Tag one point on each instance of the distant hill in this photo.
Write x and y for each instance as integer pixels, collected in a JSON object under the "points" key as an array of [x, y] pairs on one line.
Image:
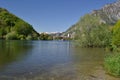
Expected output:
{"points": [[109, 14], [12, 27]]}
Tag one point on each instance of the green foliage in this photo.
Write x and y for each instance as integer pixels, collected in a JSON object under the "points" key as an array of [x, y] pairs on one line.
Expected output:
{"points": [[9, 24], [21, 37], [11, 51], [23, 28], [116, 34], [92, 32], [29, 37], [2, 32], [112, 64], [44, 36], [11, 36]]}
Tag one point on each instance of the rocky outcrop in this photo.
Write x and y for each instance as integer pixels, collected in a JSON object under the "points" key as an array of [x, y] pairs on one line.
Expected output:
{"points": [[110, 13]]}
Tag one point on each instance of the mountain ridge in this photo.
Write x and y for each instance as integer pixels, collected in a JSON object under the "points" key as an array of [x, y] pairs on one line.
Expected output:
{"points": [[108, 14], [111, 12]]}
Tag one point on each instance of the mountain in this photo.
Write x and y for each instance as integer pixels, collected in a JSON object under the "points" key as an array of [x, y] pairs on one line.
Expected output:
{"points": [[109, 14], [13, 27]]}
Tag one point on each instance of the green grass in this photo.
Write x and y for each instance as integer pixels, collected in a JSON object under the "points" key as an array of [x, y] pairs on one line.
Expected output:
{"points": [[112, 64]]}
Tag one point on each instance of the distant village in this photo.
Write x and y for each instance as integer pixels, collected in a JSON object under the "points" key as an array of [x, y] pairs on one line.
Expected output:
{"points": [[57, 35]]}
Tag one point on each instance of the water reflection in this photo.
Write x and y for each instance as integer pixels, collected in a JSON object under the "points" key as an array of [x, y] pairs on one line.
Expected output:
{"points": [[11, 51], [49, 60], [45, 59]]}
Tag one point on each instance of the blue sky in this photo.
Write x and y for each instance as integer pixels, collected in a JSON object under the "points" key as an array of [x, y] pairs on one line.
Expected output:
{"points": [[52, 15]]}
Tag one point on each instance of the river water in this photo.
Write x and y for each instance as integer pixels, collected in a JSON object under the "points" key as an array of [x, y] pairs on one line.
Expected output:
{"points": [[50, 60]]}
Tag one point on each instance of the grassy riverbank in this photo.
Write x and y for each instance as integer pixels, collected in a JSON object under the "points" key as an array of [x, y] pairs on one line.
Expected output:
{"points": [[112, 64]]}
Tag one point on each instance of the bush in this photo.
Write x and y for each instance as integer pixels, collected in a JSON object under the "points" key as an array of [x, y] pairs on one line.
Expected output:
{"points": [[112, 64], [92, 32], [29, 37], [21, 37], [116, 34], [11, 36], [98, 35]]}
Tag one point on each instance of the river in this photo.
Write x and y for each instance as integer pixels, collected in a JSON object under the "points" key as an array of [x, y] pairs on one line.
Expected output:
{"points": [[50, 60]]}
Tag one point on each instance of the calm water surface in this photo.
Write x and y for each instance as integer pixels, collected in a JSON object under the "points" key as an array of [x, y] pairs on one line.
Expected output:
{"points": [[47, 60]]}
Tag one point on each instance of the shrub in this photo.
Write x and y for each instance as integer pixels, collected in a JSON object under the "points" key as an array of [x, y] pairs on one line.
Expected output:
{"points": [[99, 36], [92, 32], [21, 37], [112, 64], [116, 34], [29, 37], [11, 36]]}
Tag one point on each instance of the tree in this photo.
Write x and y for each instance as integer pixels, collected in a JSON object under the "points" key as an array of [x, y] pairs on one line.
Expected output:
{"points": [[116, 34], [9, 23], [2, 29], [23, 28], [92, 33], [44, 36], [11, 36]]}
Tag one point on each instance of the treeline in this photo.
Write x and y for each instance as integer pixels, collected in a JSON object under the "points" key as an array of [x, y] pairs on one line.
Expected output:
{"points": [[93, 32], [12, 27], [55, 36]]}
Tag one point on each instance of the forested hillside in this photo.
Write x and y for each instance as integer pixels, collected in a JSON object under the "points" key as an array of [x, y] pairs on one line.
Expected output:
{"points": [[96, 28], [14, 28]]}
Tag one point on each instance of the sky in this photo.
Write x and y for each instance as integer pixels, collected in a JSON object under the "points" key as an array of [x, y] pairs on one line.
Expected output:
{"points": [[52, 15]]}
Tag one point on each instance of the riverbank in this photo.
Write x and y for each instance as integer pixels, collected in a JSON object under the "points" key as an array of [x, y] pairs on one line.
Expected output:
{"points": [[100, 74]]}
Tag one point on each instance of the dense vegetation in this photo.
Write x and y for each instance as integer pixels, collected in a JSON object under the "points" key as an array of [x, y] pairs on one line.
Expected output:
{"points": [[112, 62], [44, 36], [92, 32], [12, 27], [116, 34]]}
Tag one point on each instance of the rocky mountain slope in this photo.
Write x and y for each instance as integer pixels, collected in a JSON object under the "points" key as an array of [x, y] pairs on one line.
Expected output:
{"points": [[109, 14]]}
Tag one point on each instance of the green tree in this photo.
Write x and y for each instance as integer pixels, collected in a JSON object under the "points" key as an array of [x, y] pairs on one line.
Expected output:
{"points": [[11, 36], [44, 36], [9, 24], [2, 32], [92, 32], [116, 34], [2, 29], [23, 28]]}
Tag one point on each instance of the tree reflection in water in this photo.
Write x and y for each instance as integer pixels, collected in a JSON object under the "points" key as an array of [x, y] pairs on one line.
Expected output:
{"points": [[11, 51]]}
